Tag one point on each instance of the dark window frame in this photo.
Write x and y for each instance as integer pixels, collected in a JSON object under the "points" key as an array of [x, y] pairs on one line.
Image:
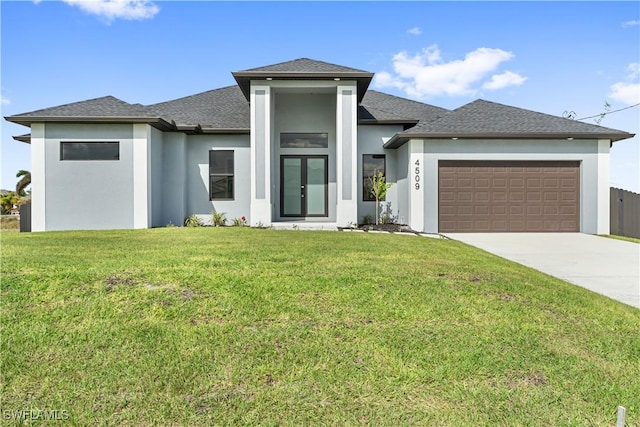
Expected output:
{"points": [[69, 155], [366, 195], [229, 174], [303, 171], [317, 136]]}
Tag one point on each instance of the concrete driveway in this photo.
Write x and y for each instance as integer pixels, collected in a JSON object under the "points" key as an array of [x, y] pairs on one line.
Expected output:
{"points": [[606, 266]]}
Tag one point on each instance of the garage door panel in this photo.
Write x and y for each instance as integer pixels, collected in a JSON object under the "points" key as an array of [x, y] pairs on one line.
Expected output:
{"points": [[516, 183], [498, 183], [498, 210], [481, 210], [534, 210], [534, 196], [482, 196], [516, 210]]}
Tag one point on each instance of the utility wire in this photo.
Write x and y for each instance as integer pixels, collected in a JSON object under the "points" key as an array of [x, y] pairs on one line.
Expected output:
{"points": [[609, 112]]}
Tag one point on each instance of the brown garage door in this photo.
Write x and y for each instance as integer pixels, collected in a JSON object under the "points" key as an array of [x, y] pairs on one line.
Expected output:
{"points": [[508, 196]]}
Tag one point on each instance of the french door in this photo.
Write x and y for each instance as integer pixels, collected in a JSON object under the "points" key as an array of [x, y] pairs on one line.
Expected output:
{"points": [[303, 186]]}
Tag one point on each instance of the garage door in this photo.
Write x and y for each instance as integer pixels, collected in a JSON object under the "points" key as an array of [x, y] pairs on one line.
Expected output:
{"points": [[508, 196]]}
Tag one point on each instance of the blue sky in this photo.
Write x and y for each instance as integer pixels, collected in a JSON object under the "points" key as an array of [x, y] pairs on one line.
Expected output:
{"points": [[550, 57]]}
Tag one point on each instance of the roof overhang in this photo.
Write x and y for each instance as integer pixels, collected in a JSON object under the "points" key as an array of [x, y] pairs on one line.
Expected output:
{"points": [[244, 78], [400, 139], [406, 123], [156, 122], [208, 130], [26, 138]]}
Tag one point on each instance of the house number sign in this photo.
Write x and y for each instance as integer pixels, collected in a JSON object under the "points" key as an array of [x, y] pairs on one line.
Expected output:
{"points": [[416, 175]]}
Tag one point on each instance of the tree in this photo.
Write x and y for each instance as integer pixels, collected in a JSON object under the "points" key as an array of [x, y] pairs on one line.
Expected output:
{"points": [[378, 187], [23, 183], [8, 201]]}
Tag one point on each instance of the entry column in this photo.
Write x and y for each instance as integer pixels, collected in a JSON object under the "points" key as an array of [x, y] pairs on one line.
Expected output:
{"points": [[346, 154], [260, 209]]}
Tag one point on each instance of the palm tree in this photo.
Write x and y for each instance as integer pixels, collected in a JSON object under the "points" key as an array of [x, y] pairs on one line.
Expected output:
{"points": [[23, 183]]}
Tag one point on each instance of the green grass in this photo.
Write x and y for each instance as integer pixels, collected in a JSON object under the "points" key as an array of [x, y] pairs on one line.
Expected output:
{"points": [[228, 326], [625, 238]]}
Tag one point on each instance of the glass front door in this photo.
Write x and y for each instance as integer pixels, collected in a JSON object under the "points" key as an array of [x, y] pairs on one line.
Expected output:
{"points": [[303, 186]]}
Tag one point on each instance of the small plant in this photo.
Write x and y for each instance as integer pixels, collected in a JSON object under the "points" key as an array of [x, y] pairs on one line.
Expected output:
{"points": [[240, 222], [218, 219], [378, 187], [259, 224], [367, 219], [192, 221], [170, 225], [386, 214]]}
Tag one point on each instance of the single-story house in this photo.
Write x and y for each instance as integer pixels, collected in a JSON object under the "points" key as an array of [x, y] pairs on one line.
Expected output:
{"points": [[296, 143]]}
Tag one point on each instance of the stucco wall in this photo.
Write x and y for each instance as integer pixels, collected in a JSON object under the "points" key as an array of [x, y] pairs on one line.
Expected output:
{"points": [[594, 171], [304, 113], [156, 182], [197, 176], [370, 141], [174, 178], [402, 189], [85, 194]]}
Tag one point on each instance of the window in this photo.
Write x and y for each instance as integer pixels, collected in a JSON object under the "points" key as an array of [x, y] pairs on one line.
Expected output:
{"points": [[304, 140], [371, 165], [89, 151], [221, 175]]}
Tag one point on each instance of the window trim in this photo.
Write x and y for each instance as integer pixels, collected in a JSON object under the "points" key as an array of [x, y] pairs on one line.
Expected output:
{"points": [[232, 175], [366, 177], [62, 151]]}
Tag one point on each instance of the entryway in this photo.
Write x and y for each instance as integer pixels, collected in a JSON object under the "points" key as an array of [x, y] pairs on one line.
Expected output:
{"points": [[303, 186]]}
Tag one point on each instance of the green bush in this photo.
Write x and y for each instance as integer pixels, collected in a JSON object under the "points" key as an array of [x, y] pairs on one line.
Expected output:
{"points": [[218, 219], [192, 221]]}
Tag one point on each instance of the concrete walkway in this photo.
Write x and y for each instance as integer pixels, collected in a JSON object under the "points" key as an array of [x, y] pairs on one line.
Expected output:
{"points": [[606, 266]]}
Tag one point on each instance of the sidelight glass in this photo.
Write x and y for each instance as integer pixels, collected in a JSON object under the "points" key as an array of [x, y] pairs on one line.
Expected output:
{"points": [[292, 186], [316, 186]]}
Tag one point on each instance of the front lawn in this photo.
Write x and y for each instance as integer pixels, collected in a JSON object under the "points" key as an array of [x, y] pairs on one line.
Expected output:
{"points": [[228, 326]]}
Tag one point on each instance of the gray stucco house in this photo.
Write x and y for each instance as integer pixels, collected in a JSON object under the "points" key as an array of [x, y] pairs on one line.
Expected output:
{"points": [[294, 143]]}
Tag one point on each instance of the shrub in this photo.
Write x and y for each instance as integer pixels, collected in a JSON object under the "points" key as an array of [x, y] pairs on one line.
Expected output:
{"points": [[367, 219], [192, 221], [218, 219], [240, 222]]}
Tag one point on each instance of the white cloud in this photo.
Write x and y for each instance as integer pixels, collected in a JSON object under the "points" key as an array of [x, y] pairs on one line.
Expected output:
{"points": [[425, 74], [4, 100], [506, 79], [630, 24], [627, 92], [117, 9], [415, 31]]}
